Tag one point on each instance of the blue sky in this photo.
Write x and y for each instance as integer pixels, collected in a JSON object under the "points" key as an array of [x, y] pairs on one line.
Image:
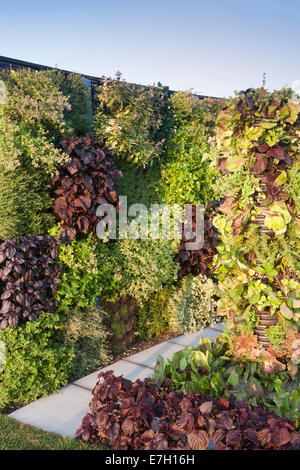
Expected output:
{"points": [[212, 47]]}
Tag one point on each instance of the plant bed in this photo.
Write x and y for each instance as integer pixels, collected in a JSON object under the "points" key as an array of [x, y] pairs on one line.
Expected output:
{"points": [[140, 415]]}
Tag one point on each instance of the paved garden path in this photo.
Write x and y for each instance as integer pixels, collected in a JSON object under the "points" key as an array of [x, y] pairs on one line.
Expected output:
{"points": [[62, 412]]}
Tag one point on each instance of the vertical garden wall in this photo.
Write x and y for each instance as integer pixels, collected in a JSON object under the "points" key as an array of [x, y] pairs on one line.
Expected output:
{"points": [[257, 149], [70, 301]]}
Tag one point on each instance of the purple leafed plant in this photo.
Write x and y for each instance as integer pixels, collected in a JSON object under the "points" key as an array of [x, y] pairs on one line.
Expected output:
{"points": [[82, 184], [142, 416], [28, 278]]}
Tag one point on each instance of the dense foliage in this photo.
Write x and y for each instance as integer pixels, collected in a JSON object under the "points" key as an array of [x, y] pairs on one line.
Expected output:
{"points": [[145, 266], [79, 286], [135, 268], [31, 121], [129, 119], [72, 86], [187, 176], [82, 184], [139, 184], [184, 307], [86, 334], [140, 415], [257, 149], [193, 305], [156, 315], [36, 362], [29, 214], [29, 275]]}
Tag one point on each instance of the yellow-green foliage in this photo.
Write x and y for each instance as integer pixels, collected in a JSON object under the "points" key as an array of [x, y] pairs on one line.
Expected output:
{"points": [[156, 315], [193, 304], [86, 334], [146, 266], [186, 175], [184, 307], [129, 118], [79, 286], [24, 201]]}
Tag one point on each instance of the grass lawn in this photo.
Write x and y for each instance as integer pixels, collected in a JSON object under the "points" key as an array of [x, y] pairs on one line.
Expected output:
{"points": [[18, 436]]}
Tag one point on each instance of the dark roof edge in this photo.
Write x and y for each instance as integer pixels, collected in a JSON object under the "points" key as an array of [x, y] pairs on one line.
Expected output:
{"points": [[10, 62]]}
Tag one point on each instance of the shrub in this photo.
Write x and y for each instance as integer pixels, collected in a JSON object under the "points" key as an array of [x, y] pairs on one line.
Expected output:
{"points": [[87, 336], [213, 368], [73, 88], [29, 214], [188, 179], [79, 286], [82, 184], [156, 315], [36, 363], [184, 307], [187, 176], [31, 120], [129, 118], [141, 416], [193, 304], [146, 266], [139, 184], [29, 276]]}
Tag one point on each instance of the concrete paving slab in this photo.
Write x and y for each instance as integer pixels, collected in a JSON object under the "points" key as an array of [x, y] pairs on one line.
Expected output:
{"points": [[148, 357], [129, 370], [193, 338], [61, 412]]}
